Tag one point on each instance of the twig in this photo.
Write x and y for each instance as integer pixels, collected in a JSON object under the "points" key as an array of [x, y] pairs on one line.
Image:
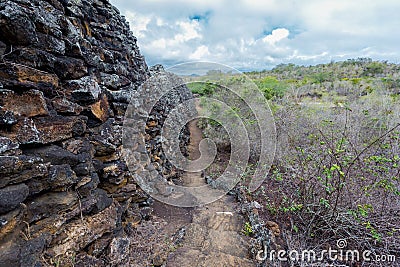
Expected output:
{"points": [[80, 205]]}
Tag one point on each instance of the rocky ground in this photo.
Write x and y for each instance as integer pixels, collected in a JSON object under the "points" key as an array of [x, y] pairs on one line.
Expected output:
{"points": [[214, 236], [209, 235]]}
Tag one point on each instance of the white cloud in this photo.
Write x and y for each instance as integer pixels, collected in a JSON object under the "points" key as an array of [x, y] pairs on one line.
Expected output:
{"points": [[252, 34], [276, 36], [296, 55], [160, 44], [159, 22], [200, 53], [140, 22], [189, 31]]}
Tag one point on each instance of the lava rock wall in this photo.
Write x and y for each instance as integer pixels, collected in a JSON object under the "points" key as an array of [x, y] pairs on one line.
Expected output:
{"points": [[67, 71]]}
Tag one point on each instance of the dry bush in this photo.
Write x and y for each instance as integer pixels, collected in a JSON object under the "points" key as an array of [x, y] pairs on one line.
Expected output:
{"points": [[337, 175]]}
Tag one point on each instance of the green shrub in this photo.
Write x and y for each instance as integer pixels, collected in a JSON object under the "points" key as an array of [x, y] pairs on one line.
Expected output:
{"points": [[202, 88], [271, 87]]}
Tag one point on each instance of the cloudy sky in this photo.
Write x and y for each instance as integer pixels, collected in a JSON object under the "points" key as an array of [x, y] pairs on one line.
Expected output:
{"points": [[259, 34]]}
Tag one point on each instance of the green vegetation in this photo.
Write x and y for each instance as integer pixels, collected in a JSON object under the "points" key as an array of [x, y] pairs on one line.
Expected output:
{"points": [[271, 87], [247, 230], [202, 89], [336, 172]]}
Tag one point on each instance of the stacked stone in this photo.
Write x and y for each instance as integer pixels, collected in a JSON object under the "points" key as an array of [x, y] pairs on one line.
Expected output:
{"points": [[67, 71], [174, 92]]}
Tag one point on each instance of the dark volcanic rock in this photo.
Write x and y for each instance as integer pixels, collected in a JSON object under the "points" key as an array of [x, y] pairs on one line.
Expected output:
{"points": [[10, 221], [86, 90], [10, 253], [23, 131], [57, 128], [102, 200], [63, 106], [20, 76], [115, 172], [123, 95], [44, 130], [16, 169], [16, 26], [83, 169], [51, 203], [68, 70], [79, 234], [59, 59], [3, 48], [11, 196], [7, 146], [31, 251], [113, 81], [7, 118], [29, 104], [106, 141], [55, 155], [100, 110], [88, 184], [61, 177]]}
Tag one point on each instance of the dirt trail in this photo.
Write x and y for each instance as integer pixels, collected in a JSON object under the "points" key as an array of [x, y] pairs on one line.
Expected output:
{"points": [[194, 178], [213, 237]]}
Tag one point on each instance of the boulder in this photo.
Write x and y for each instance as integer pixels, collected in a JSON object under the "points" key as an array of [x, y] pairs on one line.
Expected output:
{"points": [[45, 130], [58, 128], [80, 145], [70, 68], [56, 155], [113, 81], [61, 177], [50, 204], [7, 146], [88, 184], [11, 196], [17, 169], [16, 26], [101, 109], [115, 172], [28, 104], [51, 44], [77, 235], [84, 91], [31, 251], [64, 106], [10, 221], [20, 76], [22, 132]]}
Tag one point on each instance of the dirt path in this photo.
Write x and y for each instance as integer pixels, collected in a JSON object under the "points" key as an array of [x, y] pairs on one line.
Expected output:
{"points": [[194, 178], [213, 237]]}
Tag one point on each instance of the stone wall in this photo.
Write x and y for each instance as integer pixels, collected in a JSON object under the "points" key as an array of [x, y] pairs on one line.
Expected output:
{"points": [[67, 71]]}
